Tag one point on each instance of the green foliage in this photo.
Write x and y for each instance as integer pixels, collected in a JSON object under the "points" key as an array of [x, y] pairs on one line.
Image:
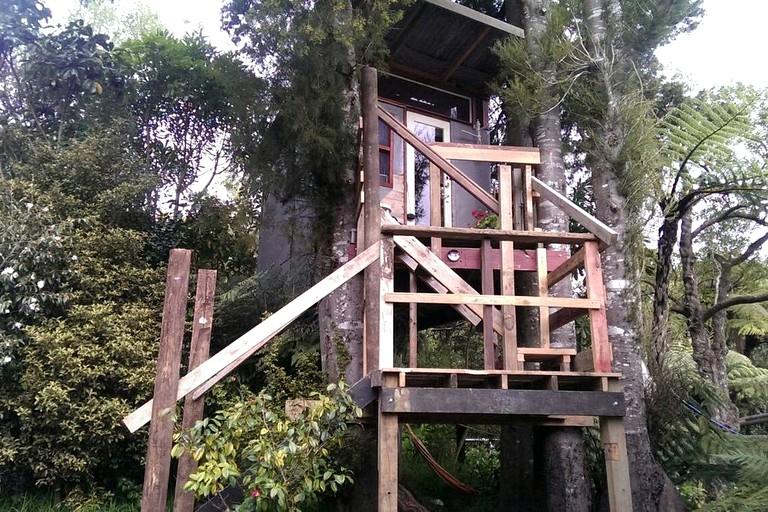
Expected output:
{"points": [[282, 463], [99, 501], [455, 346]]}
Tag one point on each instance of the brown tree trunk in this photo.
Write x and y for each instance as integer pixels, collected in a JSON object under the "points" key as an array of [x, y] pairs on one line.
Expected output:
{"points": [[659, 321]]}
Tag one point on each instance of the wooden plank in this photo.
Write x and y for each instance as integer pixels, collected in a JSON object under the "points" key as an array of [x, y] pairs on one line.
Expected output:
{"points": [[440, 271], [376, 375], [541, 276], [413, 327], [371, 213], [530, 238], [507, 272], [500, 402], [388, 453], [564, 316], [202, 322], [496, 300], [600, 230], [386, 340], [218, 366], [487, 153], [436, 285], [448, 168], [362, 392], [525, 259], [518, 216], [468, 50], [528, 194], [478, 16], [584, 362], [614, 443], [435, 204], [598, 320], [158, 463], [566, 269], [541, 351], [487, 287]]}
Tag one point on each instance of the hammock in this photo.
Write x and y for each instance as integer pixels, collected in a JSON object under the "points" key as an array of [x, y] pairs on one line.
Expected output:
{"points": [[444, 475]]}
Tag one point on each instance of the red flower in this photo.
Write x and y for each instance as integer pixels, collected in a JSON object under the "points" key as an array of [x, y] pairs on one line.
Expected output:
{"points": [[255, 493], [478, 214]]}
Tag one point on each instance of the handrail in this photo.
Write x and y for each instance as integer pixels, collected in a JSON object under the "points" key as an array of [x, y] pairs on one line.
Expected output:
{"points": [[223, 362]]}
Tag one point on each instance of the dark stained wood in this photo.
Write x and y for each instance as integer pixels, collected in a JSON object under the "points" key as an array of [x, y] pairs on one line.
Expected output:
{"points": [[158, 464], [371, 213], [202, 321], [362, 392], [598, 321], [564, 316], [499, 402], [524, 238]]}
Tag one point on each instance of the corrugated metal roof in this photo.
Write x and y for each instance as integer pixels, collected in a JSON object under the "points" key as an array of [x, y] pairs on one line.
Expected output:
{"points": [[448, 45]]}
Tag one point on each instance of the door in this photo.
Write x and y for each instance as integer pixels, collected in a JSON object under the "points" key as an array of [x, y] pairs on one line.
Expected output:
{"points": [[428, 129]]}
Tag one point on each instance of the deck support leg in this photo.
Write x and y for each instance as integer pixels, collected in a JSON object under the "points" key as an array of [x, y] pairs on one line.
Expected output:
{"points": [[388, 445], [614, 443]]}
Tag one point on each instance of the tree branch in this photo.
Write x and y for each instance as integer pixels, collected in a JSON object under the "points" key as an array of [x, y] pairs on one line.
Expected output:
{"points": [[734, 301]]}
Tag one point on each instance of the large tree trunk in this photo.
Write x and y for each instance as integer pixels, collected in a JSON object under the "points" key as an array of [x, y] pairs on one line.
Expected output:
{"points": [[659, 321], [612, 72]]}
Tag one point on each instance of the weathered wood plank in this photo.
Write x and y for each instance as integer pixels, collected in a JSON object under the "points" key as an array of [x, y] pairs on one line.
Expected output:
{"points": [[413, 327], [386, 340], [448, 168], [525, 259], [389, 450], [528, 186], [598, 320], [158, 464], [614, 441], [564, 316], [202, 322], [486, 153], [496, 300], [530, 238], [600, 229], [500, 402], [507, 272], [487, 287], [566, 269], [541, 276], [218, 366]]}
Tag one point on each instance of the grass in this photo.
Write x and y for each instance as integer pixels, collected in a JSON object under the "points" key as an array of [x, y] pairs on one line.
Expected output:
{"points": [[47, 503]]}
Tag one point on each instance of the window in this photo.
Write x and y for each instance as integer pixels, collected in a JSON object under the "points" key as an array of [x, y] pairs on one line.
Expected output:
{"points": [[425, 98], [385, 155]]}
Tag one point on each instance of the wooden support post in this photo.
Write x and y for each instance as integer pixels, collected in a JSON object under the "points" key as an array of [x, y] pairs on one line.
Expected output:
{"points": [[518, 201], [507, 270], [386, 320], [614, 443], [202, 321], [489, 335], [598, 321], [528, 188], [435, 204], [371, 213], [388, 446], [158, 465], [541, 274], [413, 324]]}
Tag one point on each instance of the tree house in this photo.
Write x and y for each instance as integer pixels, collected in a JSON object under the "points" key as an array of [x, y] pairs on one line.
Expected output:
{"points": [[426, 166]]}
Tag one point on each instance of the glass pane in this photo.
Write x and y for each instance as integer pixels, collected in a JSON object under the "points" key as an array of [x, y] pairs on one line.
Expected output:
{"points": [[384, 167], [384, 136]]}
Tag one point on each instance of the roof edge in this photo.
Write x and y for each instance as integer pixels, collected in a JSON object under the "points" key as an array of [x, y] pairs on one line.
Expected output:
{"points": [[478, 16]]}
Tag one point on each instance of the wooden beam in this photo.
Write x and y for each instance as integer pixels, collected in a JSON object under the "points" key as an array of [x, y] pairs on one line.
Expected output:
{"points": [[487, 153], [386, 320], [519, 237], [489, 336], [412, 16], [500, 402], [614, 441], [541, 276], [459, 60], [598, 320], [528, 195], [566, 269], [435, 198], [564, 316], [371, 214], [158, 464], [468, 313], [507, 268], [223, 362], [495, 300], [448, 168], [478, 17], [525, 259], [389, 451], [600, 230], [202, 321]]}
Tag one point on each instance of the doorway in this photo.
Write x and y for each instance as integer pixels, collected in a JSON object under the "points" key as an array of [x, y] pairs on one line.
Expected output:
{"points": [[428, 129]]}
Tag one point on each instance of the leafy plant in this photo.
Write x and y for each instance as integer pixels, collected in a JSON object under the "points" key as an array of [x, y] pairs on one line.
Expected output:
{"points": [[282, 463]]}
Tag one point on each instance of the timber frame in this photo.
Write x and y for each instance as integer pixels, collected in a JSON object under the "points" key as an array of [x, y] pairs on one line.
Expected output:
{"points": [[534, 383]]}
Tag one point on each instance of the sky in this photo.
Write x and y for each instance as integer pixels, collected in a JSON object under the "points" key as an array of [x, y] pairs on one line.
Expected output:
{"points": [[725, 48]]}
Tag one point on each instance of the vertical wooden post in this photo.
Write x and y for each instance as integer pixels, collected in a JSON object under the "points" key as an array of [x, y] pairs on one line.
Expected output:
{"points": [[371, 212], [202, 321], [388, 452], [413, 324], [541, 274], [507, 266], [518, 201], [435, 204], [598, 321], [158, 465], [387, 320], [527, 184], [614, 443], [489, 335]]}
